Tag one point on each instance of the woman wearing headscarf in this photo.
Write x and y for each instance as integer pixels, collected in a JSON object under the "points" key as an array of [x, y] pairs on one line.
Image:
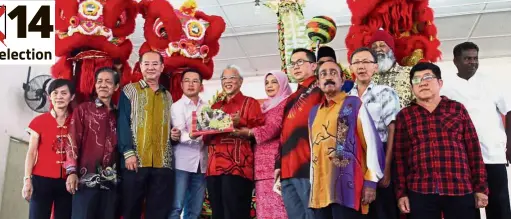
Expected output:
{"points": [[269, 203]]}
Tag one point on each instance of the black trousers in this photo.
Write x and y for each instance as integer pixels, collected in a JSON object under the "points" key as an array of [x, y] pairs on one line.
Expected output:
{"points": [[432, 206], [46, 193], [152, 185], [385, 204], [336, 211], [230, 196], [498, 200], [91, 203]]}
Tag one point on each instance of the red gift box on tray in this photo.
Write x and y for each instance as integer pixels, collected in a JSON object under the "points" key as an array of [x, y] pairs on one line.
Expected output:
{"points": [[207, 121]]}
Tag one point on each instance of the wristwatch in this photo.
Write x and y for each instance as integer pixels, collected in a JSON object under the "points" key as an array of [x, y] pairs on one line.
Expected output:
{"points": [[26, 177]]}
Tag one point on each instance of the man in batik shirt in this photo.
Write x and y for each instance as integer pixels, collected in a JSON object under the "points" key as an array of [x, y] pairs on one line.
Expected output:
{"points": [[347, 157], [91, 162], [145, 140], [390, 73], [326, 53], [230, 173], [293, 162], [382, 103]]}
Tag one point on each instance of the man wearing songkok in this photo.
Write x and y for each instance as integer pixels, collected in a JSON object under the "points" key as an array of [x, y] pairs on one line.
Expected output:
{"points": [[230, 173], [440, 168], [485, 102], [382, 103], [390, 73], [326, 53], [347, 153], [293, 162], [145, 139], [92, 156]]}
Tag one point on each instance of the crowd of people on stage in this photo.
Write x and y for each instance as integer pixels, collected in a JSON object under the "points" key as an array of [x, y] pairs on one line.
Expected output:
{"points": [[397, 141]]}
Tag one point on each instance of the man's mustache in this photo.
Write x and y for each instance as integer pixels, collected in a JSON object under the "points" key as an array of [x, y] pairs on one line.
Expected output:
{"points": [[329, 82]]}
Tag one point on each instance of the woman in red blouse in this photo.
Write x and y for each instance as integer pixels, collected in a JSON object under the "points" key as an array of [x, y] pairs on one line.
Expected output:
{"points": [[44, 183]]}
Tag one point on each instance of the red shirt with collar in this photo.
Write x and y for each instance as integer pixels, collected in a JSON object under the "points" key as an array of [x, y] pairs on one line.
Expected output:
{"points": [[53, 139], [92, 153], [234, 155], [294, 154]]}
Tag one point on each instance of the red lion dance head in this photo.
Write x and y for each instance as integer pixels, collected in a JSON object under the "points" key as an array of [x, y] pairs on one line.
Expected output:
{"points": [[185, 37], [409, 22], [91, 34]]}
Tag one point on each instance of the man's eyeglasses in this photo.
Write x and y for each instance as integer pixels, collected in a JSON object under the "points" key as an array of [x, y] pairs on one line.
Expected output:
{"points": [[418, 80], [298, 62], [232, 77], [364, 62]]}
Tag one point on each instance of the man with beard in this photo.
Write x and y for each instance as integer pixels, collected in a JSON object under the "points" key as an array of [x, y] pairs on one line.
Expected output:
{"points": [[326, 53], [390, 73], [293, 162], [230, 172], [485, 105], [91, 162], [347, 153]]}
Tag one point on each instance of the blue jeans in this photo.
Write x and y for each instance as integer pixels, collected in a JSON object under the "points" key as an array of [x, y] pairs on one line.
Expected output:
{"points": [[189, 192], [295, 193]]}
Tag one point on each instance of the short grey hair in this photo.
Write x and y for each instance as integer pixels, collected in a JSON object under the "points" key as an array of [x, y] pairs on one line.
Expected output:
{"points": [[231, 67]]}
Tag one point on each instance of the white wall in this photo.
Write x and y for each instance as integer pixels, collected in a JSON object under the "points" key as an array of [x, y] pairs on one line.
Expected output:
{"points": [[15, 115]]}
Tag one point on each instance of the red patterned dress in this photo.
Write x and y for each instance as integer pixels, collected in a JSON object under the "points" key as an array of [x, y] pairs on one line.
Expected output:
{"points": [[269, 203]]}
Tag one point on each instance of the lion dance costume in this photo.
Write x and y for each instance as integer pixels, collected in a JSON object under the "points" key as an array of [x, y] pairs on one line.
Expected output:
{"points": [[185, 37], [92, 34], [410, 22]]}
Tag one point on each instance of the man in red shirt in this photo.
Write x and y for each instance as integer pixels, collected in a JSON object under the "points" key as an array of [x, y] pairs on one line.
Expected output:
{"points": [[92, 157], [294, 155], [439, 163], [230, 174]]}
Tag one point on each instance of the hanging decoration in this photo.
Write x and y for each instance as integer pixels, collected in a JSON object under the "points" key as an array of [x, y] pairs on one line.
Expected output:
{"points": [[291, 28], [321, 30], [185, 37], [410, 22], [91, 34]]}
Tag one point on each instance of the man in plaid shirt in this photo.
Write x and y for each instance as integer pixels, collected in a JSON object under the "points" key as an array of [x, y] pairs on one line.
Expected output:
{"points": [[440, 168]]}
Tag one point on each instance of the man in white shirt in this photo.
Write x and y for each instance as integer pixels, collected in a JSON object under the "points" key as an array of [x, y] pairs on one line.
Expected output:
{"points": [[485, 104], [190, 154], [382, 103]]}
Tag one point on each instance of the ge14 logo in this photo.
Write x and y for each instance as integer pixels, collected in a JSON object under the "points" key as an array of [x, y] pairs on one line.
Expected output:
{"points": [[26, 32]]}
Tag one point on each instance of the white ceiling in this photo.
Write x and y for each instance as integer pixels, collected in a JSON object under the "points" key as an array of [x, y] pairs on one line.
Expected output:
{"points": [[250, 39]]}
